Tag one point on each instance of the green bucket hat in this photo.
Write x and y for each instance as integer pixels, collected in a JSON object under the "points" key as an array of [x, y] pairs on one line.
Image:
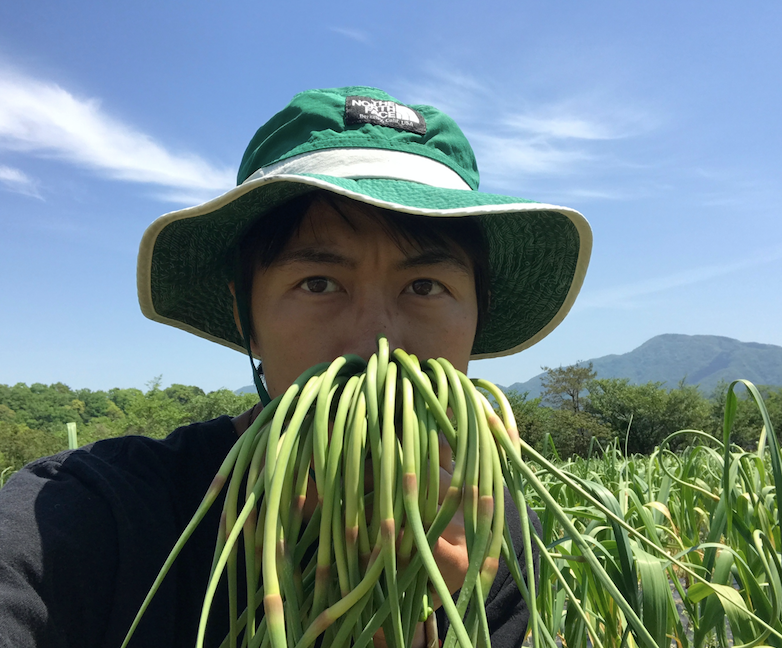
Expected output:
{"points": [[363, 144]]}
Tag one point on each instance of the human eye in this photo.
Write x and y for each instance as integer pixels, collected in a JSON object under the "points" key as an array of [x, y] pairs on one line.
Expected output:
{"points": [[319, 285], [425, 287]]}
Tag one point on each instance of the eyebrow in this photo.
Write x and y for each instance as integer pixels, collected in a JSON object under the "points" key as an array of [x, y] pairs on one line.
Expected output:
{"points": [[435, 256], [313, 255], [428, 257]]}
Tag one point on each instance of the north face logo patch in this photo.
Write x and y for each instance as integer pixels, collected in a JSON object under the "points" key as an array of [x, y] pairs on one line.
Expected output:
{"points": [[365, 110]]}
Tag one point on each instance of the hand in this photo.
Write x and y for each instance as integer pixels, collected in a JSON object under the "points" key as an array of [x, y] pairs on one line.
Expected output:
{"points": [[419, 638], [450, 550]]}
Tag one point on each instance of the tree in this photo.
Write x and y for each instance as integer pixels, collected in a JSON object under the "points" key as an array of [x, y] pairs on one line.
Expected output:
{"points": [[123, 397], [571, 428], [96, 404], [39, 406], [218, 403], [572, 432], [154, 414], [563, 386], [20, 444], [531, 418], [748, 421], [33, 419], [646, 414], [7, 414], [183, 394]]}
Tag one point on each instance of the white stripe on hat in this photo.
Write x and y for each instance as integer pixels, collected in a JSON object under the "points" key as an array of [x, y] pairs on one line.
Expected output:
{"points": [[367, 163]]}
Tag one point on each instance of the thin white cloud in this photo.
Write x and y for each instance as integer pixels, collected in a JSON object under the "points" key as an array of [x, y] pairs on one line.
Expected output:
{"points": [[512, 155], [513, 139], [460, 96], [628, 295], [597, 194], [586, 118], [353, 34], [44, 119], [565, 127], [18, 182], [580, 194]]}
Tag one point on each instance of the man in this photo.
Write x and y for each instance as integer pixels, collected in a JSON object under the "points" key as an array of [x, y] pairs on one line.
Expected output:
{"points": [[354, 215]]}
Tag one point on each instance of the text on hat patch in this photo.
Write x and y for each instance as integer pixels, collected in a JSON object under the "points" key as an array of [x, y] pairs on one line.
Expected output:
{"points": [[366, 110]]}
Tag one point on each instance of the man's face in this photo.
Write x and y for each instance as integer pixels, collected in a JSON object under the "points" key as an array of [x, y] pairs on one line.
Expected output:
{"points": [[337, 285]]}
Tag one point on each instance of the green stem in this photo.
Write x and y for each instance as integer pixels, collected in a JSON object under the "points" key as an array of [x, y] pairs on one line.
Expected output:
{"points": [[410, 481], [388, 460], [272, 599], [326, 495]]}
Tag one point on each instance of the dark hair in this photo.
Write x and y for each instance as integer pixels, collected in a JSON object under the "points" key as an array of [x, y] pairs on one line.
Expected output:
{"points": [[264, 240]]}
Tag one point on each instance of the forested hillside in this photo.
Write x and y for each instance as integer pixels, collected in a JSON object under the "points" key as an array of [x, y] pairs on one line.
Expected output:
{"points": [[700, 360]]}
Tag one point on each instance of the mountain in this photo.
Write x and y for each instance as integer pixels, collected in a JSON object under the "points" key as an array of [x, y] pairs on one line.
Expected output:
{"points": [[701, 360]]}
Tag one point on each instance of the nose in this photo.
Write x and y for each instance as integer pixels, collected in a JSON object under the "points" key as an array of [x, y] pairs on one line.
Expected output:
{"points": [[372, 314]]}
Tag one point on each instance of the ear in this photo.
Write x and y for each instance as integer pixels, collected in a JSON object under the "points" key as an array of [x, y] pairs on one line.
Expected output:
{"points": [[238, 321]]}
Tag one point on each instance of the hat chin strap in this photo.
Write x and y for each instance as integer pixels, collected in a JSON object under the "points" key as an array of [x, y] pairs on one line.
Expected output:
{"points": [[243, 310], [358, 163]]}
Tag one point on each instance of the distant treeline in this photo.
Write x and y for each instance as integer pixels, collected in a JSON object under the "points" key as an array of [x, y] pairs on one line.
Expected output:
{"points": [[33, 418], [576, 412]]}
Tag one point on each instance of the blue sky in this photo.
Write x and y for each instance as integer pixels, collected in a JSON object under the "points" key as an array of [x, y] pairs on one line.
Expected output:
{"points": [[660, 122]]}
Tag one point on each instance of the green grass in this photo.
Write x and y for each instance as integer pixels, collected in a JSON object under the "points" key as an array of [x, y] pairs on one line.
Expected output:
{"points": [[703, 524]]}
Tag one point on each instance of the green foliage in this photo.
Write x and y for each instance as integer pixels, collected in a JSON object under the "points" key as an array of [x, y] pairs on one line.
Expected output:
{"points": [[122, 397], [531, 418], [573, 432], [689, 535], [571, 429], [33, 419], [183, 394], [584, 410], [154, 414], [20, 445], [208, 406], [646, 414], [43, 407], [748, 421]]}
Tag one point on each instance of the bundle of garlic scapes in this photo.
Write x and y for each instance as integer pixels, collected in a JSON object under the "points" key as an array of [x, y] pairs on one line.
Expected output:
{"points": [[362, 561]]}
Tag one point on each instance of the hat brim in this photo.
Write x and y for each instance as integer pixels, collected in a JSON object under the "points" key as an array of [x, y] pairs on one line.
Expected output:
{"points": [[538, 255]]}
